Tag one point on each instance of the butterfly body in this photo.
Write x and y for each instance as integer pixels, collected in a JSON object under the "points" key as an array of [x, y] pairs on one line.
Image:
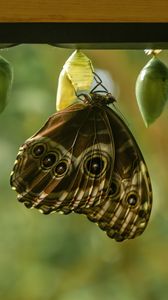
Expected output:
{"points": [[85, 159]]}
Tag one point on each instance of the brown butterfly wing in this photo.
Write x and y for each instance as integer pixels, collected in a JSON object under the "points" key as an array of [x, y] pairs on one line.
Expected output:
{"points": [[85, 159], [68, 163], [125, 212]]}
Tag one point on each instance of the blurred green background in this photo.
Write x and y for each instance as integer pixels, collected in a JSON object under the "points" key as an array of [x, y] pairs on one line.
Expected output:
{"points": [[67, 257]]}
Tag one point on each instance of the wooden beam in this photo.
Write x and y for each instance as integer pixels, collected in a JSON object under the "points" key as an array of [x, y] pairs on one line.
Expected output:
{"points": [[84, 11], [86, 35]]}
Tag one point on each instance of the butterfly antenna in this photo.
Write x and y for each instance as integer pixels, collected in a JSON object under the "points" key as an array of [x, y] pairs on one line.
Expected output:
{"points": [[99, 83]]}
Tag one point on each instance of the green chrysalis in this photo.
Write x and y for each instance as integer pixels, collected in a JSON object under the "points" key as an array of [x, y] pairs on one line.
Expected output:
{"points": [[152, 90], [5, 82]]}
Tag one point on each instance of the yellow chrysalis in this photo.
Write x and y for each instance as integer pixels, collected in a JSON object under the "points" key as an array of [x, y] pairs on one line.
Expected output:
{"points": [[75, 77]]}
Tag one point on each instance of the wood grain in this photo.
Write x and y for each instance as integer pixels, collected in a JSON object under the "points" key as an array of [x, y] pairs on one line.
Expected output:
{"points": [[83, 11]]}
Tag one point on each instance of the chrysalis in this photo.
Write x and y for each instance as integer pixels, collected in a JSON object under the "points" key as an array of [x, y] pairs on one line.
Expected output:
{"points": [[5, 82], [75, 77], [152, 90]]}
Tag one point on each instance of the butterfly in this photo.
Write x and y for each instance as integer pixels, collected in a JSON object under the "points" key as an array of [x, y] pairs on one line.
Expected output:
{"points": [[86, 160]]}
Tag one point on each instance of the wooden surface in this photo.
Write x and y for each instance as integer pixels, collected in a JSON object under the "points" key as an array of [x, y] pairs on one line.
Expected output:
{"points": [[83, 11]]}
